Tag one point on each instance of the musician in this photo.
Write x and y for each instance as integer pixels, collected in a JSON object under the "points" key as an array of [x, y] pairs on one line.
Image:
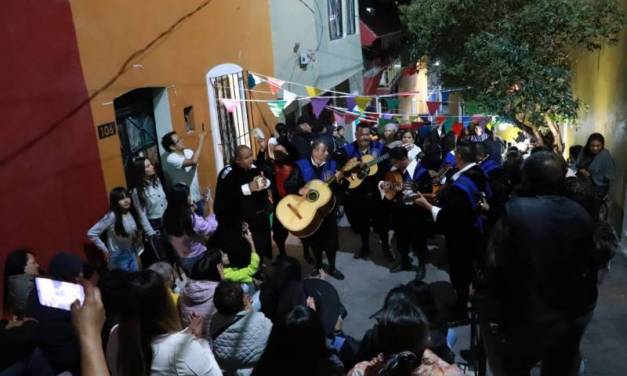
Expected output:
{"points": [[242, 196], [319, 166], [364, 207], [496, 179], [408, 221], [458, 215]]}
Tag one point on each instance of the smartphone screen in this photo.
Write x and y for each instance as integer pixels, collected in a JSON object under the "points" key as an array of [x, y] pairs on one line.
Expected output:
{"points": [[58, 294]]}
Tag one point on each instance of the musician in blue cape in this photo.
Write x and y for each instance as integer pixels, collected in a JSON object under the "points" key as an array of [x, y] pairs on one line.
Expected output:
{"points": [[364, 207], [496, 179], [459, 216], [408, 221], [319, 166]]}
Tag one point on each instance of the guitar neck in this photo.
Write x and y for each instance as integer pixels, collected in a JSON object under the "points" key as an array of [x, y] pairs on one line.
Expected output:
{"points": [[378, 159]]}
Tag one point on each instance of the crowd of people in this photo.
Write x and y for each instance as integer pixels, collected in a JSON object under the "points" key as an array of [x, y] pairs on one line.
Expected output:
{"points": [[189, 284]]}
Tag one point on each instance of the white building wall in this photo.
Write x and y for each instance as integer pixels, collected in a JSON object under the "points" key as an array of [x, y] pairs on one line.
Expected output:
{"points": [[306, 23]]}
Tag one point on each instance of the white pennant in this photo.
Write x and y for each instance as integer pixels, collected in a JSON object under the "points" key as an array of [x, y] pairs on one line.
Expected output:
{"points": [[288, 97]]}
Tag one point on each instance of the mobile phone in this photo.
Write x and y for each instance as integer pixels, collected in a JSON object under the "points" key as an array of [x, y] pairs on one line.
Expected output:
{"points": [[58, 294]]}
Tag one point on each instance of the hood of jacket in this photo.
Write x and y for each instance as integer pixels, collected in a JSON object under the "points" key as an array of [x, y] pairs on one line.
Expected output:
{"points": [[198, 292]]}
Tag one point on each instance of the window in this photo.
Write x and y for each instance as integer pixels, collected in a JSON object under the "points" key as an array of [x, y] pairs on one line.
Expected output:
{"points": [[350, 17], [234, 128], [335, 19]]}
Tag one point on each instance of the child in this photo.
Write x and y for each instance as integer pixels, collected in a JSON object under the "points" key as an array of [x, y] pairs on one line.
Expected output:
{"points": [[237, 271]]}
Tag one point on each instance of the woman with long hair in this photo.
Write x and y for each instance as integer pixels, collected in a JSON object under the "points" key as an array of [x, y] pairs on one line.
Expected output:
{"points": [[124, 228], [187, 231], [403, 333], [150, 339], [596, 163], [297, 346], [20, 270], [282, 289], [149, 198]]}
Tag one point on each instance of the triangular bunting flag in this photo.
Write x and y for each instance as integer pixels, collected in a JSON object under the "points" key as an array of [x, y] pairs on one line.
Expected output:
{"points": [[350, 117], [433, 107], [312, 91], [288, 97], [350, 103], [276, 107], [318, 104], [388, 116], [229, 104], [275, 84], [440, 119], [339, 118], [392, 103], [363, 102]]}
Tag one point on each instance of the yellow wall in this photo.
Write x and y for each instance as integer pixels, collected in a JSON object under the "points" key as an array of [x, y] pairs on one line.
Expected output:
{"points": [[416, 82], [225, 31], [600, 80]]}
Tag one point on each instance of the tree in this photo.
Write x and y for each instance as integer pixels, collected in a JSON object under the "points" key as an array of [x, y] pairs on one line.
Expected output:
{"points": [[513, 56]]}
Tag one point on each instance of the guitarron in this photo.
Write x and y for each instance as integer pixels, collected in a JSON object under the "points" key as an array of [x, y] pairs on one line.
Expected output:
{"points": [[303, 215]]}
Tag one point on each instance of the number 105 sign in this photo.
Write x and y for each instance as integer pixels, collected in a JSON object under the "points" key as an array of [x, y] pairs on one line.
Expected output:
{"points": [[106, 130]]}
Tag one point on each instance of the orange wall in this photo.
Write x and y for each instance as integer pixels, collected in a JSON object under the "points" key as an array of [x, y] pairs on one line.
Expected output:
{"points": [[225, 31]]}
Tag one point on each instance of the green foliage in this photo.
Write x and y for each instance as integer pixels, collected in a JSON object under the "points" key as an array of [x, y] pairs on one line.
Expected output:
{"points": [[513, 55]]}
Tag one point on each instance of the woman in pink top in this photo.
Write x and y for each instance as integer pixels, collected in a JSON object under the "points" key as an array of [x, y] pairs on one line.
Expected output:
{"points": [[188, 232]]}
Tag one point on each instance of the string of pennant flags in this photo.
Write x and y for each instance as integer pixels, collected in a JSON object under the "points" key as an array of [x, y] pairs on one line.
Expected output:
{"points": [[357, 106]]}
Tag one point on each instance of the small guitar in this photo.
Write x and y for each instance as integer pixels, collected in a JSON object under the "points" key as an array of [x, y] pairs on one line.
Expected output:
{"points": [[303, 215], [356, 170], [400, 190]]}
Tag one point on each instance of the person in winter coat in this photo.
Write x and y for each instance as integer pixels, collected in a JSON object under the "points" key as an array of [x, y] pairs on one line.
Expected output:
{"points": [[239, 335], [197, 294], [20, 270]]}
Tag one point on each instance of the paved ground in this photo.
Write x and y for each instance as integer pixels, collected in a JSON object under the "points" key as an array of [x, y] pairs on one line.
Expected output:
{"points": [[367, 282]]}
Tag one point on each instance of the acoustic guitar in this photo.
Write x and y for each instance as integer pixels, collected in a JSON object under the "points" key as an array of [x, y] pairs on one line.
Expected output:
{"points": [[356, 170], [303, 215]]}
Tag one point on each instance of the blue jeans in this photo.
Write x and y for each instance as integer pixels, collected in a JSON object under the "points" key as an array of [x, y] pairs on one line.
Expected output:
{"points": [[124, 260]]}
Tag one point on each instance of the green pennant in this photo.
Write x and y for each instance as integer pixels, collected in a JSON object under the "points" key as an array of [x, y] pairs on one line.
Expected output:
{"points": [[392, 103], [448, 124], [382, 122], [277, 106]]}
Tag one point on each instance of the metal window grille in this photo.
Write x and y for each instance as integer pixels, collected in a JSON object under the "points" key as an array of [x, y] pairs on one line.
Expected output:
{"points": [[234, 126], [350, 17], [335, 19]]}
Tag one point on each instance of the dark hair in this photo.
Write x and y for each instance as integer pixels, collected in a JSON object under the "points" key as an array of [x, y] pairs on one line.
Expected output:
{"points": [[166, 141], [178, 216], [582, 191], [606, 243], [296, 346], [209, 271], [317, 142], [14, 265], [141, 321], [361, 125], [540, 148], [238, 249], [117, 194], [403, 327], [574, 152], [543, 173], [481, 150], [424, 299], [466, 151], [339, 128], [228, 298], [283, 271], [302, 120], [137, 178], [401, 364], [398, 153], [281, 129], [403, 132], [593, 137]]}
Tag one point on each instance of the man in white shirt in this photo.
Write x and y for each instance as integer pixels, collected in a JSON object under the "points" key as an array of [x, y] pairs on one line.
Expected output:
{"points": [[179, 165]]}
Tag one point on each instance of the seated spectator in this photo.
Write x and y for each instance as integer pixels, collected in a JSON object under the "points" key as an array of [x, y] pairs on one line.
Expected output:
{"points": [[187, 231], [239, 335], [165, 271], [150, 339], [18, 340], [297, 347], [282, 289], [55, 336], [241, 264], [198, 291], [20, 270], [403, 332]]}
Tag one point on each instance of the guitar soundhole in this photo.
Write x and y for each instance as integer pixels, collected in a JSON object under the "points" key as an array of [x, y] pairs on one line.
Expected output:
{"points": [[312, 196]]}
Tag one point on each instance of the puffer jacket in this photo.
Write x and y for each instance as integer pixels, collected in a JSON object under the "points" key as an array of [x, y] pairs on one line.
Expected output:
{"points": [[197, 296], [239, 347]]}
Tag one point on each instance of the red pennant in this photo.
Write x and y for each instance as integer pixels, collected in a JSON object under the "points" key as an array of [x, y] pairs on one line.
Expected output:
{"points": [[410, 70], [433, 107], [440, 119], [349, 117], [457, 129]]}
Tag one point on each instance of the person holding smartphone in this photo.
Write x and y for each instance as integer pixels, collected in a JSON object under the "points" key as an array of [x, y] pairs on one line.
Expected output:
{"points": [[124, 228], [187, 231]]}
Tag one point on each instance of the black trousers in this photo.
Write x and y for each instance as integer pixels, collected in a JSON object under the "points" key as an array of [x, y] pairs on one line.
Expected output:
{"points": [[259, 225], [279, 234], [411, 233], [461, 254], [365, 211], [515, 350], [325, 239]]}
